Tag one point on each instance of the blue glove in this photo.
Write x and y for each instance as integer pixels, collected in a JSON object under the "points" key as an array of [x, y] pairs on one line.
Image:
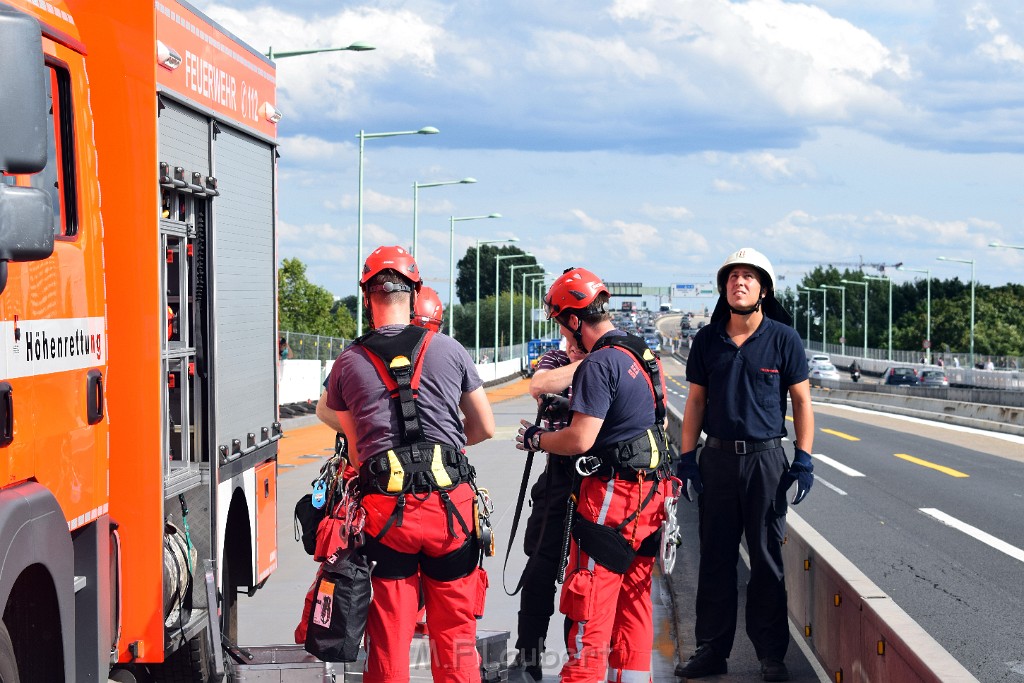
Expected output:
{"points": [[528, 438], [689, 474], [802, 472]]}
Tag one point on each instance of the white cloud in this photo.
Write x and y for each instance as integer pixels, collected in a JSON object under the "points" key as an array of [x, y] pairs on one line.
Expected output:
{"points": [[666, 213], [1000, 46], [720, 186], [636, 241]]}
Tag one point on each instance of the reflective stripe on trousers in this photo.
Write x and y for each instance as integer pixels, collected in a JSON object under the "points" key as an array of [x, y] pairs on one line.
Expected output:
{"points": [[618, 632]]}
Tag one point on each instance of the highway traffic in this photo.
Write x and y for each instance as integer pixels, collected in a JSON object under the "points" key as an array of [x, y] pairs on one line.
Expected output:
{"points": [[931, 514]]}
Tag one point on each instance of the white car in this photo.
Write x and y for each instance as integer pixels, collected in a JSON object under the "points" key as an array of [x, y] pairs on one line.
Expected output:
{"points": [[818, 358], [823, 371]]}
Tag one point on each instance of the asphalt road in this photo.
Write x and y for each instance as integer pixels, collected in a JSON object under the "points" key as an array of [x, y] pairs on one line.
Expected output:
{"points": [[933, 515]]}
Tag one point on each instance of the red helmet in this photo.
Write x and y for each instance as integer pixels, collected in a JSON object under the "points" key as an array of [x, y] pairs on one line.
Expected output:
{"points": [[576, 288], [427, 310], [392, 258]]}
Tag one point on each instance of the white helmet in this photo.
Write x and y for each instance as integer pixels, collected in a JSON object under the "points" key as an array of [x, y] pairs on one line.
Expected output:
{"points": [[747, 257]]}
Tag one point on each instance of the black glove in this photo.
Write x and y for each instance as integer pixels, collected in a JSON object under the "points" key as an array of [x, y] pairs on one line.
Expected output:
{"points": [[555, 406], [689, 474], [528, 438], [801, 472]]}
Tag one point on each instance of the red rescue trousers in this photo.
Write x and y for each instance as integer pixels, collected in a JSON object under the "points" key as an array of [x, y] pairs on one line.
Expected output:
{"points": [[611, 623], [451, 605]]}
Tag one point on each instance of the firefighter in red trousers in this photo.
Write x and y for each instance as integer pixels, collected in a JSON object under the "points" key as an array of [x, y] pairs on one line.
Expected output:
{"points": [[617, 416], [396, 393]]}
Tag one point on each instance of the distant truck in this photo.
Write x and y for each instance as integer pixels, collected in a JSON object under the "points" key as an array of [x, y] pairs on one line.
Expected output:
{"points": [[535, 348]]}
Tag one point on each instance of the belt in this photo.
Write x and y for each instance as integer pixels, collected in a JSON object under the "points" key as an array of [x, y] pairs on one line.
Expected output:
{"points": [[742, 447]]}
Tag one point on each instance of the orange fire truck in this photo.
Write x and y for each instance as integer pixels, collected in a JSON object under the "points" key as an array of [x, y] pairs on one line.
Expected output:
{"points": [[138, 419]]}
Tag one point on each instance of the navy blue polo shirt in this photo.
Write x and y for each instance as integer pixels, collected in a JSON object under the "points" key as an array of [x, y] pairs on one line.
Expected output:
{"points": [[746, 386], [613, 386]]}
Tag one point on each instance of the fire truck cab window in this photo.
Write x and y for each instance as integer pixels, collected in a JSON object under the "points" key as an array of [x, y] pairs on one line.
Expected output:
{"points": [[58, 178]]}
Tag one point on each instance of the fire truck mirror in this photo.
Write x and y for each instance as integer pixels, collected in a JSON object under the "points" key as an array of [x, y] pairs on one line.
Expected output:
{"points": [[26, 226], [22, 80]]}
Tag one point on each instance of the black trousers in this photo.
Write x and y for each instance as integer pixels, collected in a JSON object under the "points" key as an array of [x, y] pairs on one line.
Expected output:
{"points": [[737, 500], [548, 498]]}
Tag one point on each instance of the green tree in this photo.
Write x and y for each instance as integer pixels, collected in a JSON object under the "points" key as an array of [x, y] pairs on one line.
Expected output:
{"points": [[305, 307], [465, 280]]}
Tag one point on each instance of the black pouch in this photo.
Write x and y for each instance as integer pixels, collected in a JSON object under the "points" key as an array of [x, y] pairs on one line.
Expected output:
{"points": [[606, 545], [307, 519], [340, 608]]}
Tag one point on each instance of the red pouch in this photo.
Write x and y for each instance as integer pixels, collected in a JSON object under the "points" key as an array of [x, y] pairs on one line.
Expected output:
{"points": [[480, 585], [330, 536], [577, 602], [300, 630]]}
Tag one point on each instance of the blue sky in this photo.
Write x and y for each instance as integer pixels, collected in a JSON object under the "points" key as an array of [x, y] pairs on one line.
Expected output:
{"points": [[647, 139]]}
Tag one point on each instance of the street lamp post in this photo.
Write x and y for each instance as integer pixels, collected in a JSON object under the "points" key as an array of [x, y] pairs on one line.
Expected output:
{"points": [[532, 277], [497, 295], [478, 244], [354, 47], [928, 308], [363, 137], [882, 278], [971, 261], [533, 296], [415, 205], [512, 298], [842, 338], [865, 285], [451, 263], [1005, 246], [824, 314]]}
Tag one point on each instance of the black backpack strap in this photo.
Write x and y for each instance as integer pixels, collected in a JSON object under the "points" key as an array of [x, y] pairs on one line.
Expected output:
{"points": [[638, 348], [398, 360]]}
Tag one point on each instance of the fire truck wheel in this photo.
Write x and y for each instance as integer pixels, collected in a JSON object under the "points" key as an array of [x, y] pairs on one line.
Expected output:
{"points": [[8, 667], [187, 664]]}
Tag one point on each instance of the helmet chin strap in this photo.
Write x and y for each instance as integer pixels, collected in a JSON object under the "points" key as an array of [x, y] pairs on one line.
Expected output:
{"points": [[747, 311], [577, 334]]}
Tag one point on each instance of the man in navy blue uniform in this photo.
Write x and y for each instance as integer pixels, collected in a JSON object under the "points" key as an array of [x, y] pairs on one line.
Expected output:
{"points": [[740, 369]]}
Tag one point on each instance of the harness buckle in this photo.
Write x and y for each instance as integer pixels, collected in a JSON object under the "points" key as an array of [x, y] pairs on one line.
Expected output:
{"points": [[588, 465]]}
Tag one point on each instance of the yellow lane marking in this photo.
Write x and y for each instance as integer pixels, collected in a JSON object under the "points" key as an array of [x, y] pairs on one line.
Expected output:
{"points": [[924, 463], [841, 435], [789, 418], [675, 381]]}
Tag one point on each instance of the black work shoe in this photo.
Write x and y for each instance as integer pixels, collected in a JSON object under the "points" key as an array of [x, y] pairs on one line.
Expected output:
{"points": [[525, 668], [703, 662], [774, 670]]}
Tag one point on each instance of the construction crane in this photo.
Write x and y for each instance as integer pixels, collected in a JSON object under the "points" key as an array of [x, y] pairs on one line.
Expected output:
{"points": [[880, 267]]}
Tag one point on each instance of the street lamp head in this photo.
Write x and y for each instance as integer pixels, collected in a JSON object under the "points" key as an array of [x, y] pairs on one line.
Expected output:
{"points": [[468, 181], [498, 215], [360, 46], [428, 130]]}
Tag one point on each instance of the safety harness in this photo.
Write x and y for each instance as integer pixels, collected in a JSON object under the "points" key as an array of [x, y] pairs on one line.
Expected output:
{"points": [[415, 466], [642, 458]]}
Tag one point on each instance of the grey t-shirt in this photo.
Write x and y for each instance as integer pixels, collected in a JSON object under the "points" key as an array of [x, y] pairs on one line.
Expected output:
{"points": [[447, 373]]}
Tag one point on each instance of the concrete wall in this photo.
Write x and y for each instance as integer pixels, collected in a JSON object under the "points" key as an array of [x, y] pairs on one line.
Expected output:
{"points": [[856, 631], [302, 380]]}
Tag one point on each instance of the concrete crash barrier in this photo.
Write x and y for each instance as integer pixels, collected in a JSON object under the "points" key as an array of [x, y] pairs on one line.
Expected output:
{"points": [[856, 631], [1006, 419]]}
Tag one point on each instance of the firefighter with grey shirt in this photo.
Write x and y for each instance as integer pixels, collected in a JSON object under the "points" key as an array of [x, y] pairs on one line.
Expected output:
{"points": [[740, 369]]}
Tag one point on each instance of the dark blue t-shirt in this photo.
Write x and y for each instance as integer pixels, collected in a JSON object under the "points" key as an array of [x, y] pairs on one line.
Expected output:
{"points": [[746, 386], [613, 386]]}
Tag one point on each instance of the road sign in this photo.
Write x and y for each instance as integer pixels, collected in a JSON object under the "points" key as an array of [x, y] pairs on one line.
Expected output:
{"points": [[693, 290], [927, 343], [842, 340]]}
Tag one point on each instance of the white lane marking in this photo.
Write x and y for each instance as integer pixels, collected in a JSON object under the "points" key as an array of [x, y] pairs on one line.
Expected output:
{"points": [[1012, 438], [988, 539], [831, 486], [848, 471]]}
